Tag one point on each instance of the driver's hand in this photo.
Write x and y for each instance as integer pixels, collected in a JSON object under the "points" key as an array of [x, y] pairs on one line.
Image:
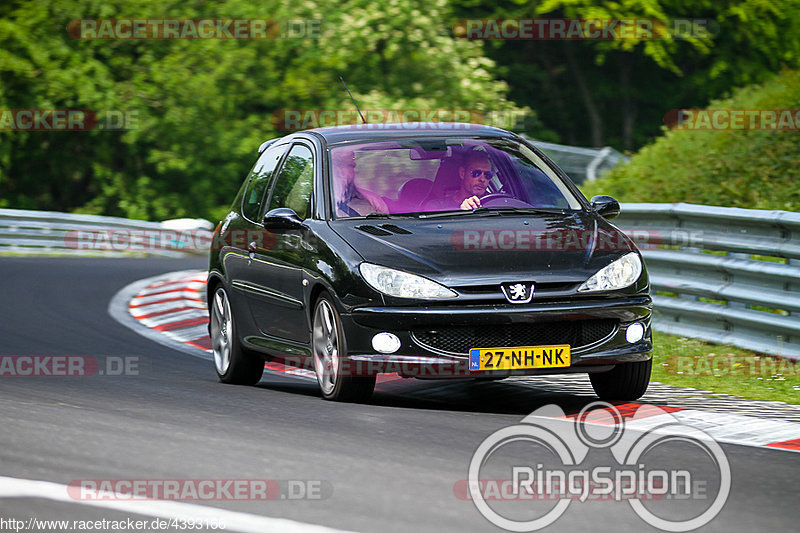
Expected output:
{"points": [[473, 202]]}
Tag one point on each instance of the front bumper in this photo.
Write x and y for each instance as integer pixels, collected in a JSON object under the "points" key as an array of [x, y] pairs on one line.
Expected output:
{"points": [[417, 359]]}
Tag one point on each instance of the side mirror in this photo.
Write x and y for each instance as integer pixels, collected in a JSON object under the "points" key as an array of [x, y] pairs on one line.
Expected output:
{"points": [[282, 218], [605, 206]]}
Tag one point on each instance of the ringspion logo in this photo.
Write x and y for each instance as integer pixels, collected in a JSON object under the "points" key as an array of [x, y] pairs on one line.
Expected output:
{"points": [[667, 497]]}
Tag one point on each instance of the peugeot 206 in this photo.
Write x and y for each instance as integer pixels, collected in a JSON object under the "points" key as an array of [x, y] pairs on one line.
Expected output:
{"points": [[436, 251]]}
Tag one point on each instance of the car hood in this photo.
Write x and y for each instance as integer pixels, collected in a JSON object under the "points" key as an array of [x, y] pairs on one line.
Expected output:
{"points": [[485, 249]]}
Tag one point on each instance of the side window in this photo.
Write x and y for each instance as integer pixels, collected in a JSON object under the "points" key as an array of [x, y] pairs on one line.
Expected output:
{"points": [[295, 182], [259, 179]]}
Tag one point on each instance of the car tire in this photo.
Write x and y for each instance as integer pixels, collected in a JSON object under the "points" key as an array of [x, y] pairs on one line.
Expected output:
{"points": [[233, 363], [329, 348], [626, 381]]}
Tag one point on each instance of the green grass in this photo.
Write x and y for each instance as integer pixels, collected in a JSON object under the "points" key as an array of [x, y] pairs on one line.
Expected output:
{"points": [[770, 259], [690, 363]]}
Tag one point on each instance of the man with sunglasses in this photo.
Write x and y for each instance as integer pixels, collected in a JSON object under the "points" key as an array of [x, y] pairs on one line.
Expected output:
{"points": [[475, 174]]}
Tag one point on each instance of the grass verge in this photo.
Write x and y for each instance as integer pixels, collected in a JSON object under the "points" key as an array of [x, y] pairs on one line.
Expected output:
{"points": [[724, 369]]}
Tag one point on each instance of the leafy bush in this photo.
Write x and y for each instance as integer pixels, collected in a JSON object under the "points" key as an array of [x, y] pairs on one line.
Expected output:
{"points": [[739, 168]]}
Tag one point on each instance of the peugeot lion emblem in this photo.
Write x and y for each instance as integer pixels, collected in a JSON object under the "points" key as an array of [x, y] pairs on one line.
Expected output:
{"points": [[518, 293]]}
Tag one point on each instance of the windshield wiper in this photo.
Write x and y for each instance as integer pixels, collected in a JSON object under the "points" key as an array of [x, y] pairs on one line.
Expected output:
{"points": [[451, 213], [375, 214], [493, 211], [517, 210]]}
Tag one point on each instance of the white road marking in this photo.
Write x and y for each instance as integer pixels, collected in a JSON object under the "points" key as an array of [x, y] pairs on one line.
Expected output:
{"points": [[234, 521], [740, 429], [156, 298], [191, 333], [173, 317], [119, 311], [193, 285], [157, 308]]}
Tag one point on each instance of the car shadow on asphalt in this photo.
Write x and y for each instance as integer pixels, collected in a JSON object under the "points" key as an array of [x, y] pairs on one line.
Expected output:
{"points": [[463, 395]]}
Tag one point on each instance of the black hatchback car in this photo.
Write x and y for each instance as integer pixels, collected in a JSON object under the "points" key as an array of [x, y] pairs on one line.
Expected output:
{"points": [[429, 250]]}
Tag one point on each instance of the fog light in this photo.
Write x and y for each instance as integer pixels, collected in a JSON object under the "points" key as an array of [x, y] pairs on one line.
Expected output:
{"points": [[386, 342], [634, 334]]}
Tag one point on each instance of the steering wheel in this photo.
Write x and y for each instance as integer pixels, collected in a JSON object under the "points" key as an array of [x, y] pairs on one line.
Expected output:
{"points": [[501, 199]]}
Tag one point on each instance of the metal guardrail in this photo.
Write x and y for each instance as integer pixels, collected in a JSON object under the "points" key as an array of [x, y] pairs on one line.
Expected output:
{"points": [[722, 274], [53, 233], [581, 164]]}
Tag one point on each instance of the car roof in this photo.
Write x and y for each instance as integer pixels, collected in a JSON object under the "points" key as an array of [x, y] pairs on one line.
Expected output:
{"points": [[370, 132]]}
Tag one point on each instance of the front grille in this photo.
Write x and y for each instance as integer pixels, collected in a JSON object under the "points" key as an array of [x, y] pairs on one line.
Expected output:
{"points": [[497, 291], [459, 339]]}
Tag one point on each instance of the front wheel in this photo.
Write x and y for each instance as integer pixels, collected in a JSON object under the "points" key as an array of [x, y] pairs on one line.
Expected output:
{"points": [[626, 381], [232, 363], [330, 351]]}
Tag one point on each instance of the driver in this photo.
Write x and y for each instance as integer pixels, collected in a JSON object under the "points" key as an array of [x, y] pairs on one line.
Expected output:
{"points": [[474, 175]]}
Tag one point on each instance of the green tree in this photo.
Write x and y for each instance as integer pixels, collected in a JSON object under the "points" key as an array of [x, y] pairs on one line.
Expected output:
{"points": [[751, 168], [202, 107], [617, 92]]}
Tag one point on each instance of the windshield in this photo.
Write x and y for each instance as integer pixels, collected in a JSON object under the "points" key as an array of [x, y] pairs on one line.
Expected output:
{"points": [[443, 175]]}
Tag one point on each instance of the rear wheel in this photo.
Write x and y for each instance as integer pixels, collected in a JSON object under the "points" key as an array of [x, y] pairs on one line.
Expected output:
{"points": [[232, 363], [330, 351], [626, 381]]}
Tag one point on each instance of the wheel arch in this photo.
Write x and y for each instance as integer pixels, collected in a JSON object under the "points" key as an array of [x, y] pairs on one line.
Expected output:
{"points": [[316, 291], [214, 281]]}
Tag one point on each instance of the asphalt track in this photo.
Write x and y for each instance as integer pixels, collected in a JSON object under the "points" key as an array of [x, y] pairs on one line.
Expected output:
{"points": [[390, 465]]}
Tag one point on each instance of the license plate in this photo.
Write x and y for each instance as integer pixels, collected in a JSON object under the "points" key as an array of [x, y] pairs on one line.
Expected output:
{"points": [[521, 357]]}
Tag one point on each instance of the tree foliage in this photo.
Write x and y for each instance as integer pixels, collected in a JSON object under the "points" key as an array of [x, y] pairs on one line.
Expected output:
{"points": [[616, 92], [202, 107], [739, 168]]}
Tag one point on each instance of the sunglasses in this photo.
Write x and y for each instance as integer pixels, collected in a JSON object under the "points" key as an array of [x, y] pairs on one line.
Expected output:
{"points": [[476, 173]]}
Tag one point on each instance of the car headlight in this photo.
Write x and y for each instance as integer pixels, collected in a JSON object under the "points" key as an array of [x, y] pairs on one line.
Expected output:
{"points": [[618, 275], [402, 284]]}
